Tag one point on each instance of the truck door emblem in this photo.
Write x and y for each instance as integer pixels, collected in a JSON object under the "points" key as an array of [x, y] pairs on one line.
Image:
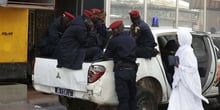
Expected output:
{"points": [[58, 76]]}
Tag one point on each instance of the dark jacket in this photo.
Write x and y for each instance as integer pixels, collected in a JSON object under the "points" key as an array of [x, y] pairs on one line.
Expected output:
{"points": [[145, 38], [50, 39], [72, 45], [102, 34], [122, 49]]}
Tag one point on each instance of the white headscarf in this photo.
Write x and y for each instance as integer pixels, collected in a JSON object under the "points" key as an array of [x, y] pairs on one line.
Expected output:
{"points": [[184, 38], [187, 72]]}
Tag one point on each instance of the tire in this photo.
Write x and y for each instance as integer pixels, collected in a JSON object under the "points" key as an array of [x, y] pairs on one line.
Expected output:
{"points": [[218, 99], [146, 100], [62, 100], [78, 104]]}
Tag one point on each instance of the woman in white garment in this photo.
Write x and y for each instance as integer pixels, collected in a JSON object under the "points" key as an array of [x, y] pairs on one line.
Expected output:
{"points": [[186, 87]]}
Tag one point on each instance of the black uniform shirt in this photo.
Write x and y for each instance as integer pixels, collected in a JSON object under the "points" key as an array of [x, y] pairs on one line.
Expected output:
{"points": [[145, 37], [122, 48]]}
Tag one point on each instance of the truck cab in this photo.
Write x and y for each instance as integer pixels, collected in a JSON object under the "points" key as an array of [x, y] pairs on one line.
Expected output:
{"points": [[93, 85]]}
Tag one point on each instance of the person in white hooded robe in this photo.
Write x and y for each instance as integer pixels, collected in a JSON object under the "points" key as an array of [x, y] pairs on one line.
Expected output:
{"points": [[186, 87]]}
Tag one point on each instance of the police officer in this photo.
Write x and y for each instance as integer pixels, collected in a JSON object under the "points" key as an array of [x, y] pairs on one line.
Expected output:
{"points": [[100, 26], [48, 42], [143, 35], [122, 49], [94, 50], [75, 41]]}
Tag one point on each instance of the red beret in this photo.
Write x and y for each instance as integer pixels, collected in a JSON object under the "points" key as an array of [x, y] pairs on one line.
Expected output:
{"points": [[69, 15], [96, 11], [116, 24], [134, 13], [88, 13]]}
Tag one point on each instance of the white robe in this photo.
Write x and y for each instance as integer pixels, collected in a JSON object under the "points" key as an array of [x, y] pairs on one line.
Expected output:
{"points": [[186, 87]]}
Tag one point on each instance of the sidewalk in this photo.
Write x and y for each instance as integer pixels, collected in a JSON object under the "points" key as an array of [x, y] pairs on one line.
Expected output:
{"points": [[35, 101]]}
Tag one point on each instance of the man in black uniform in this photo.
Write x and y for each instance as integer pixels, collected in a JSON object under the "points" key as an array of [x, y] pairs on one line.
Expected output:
{"points": [[122, 49], [94, 51], [48, 42], [143, 35], [100, 27], [75, 42]]}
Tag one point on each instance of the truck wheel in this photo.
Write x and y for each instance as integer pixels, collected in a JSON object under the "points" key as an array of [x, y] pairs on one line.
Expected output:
{"points": [[78, 104], [63, 100], [218, 99], [146, 100]]}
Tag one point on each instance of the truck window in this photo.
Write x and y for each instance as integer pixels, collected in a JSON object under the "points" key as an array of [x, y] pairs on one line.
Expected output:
{"points": [[201, 53], [199, 48], [202, 50]]}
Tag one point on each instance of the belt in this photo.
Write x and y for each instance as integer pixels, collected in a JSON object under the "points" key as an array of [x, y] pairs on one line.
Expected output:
{"points": [[126, 66]]}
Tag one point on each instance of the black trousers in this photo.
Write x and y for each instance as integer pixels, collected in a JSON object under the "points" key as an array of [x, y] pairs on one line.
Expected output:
{"points": [[125, 85]]}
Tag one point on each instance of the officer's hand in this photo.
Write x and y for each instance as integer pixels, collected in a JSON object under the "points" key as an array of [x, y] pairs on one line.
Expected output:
{"points": [[177, 61], [89, 24], [104, 56], [60, 34]]}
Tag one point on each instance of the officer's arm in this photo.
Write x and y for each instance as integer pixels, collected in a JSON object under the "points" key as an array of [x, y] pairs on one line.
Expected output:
{"points": [[102, 30], [110, 50], [93, 38], [54, 34], [146, 31], [82, 36]]}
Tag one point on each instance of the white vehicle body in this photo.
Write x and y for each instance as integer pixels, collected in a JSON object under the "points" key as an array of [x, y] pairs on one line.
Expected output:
{"points": [[151, 75], [216, 41]]}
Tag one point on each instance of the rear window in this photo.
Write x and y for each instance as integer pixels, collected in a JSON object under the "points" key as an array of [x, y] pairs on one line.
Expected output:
{"points": [[199, 47]]}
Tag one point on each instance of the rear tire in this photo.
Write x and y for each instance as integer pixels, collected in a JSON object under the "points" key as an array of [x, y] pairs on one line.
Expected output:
{"points": [[146, 100], [62, 100]]}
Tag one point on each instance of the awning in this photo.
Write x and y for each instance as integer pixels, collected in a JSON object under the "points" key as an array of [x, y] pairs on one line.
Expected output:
{"points": [[31, 4], [210, 4]]}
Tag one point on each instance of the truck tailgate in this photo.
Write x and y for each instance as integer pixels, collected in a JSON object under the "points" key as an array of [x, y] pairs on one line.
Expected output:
{"points": [[47, 74]]}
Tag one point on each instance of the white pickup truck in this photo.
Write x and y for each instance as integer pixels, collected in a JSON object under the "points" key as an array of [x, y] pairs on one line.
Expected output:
{"points": [[93, 85]]}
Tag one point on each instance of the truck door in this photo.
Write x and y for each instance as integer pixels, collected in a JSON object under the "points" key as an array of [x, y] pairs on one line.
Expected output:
{"points": [[207, 59]]}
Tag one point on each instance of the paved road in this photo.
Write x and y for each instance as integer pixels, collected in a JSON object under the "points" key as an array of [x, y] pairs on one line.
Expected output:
{"points": [[28, 106], [57, 106], [40, 101], [49, 106], [35, 101]]}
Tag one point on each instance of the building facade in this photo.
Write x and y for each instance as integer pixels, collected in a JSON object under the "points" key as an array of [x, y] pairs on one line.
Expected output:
{"points": [[198, 15]]}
